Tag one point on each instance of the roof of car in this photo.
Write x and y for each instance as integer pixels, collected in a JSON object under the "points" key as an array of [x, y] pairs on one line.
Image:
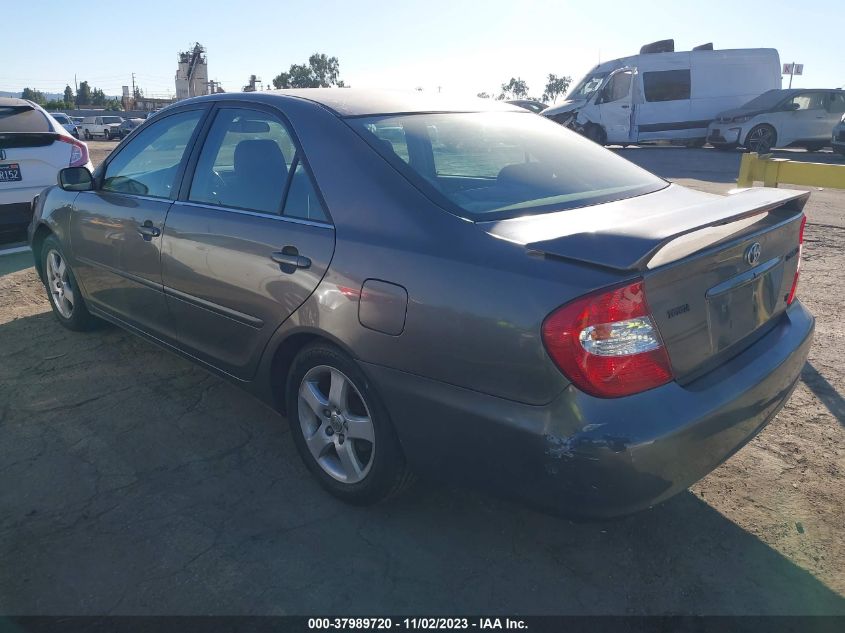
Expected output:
{"points": [[13, 102], [362, 102]]}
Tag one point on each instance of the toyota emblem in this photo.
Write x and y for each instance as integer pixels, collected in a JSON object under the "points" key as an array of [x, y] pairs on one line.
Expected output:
{"points": [[752, 254]]}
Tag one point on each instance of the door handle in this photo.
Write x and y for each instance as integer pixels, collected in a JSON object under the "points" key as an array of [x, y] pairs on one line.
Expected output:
{"points": [[626, 106], [290, 260], [148, 231]]}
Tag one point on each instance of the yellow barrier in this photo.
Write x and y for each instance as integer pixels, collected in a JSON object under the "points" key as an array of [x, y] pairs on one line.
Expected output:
{"points": [[773, 171]]}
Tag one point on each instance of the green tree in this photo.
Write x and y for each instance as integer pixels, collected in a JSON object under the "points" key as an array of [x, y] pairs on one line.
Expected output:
{"points": [[555, 87], [83, 95], [98, 97], [113, 104], [33, 95], [516, 88], [321, 71], [483, 95], [68, 95]]}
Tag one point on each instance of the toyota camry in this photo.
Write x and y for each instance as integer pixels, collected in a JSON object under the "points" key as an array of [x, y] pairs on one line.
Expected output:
{"points": [[457, 289]]}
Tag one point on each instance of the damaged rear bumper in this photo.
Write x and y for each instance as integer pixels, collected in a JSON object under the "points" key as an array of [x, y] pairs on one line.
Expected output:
{"points": [[591, 457]]}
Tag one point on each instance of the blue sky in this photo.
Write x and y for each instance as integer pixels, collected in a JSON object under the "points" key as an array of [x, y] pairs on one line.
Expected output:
{"points": [[462, 47]]}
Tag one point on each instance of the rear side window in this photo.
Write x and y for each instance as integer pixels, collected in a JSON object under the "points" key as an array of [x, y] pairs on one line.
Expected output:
{"points": [[836, 104], [148, 164], [25, 118], [490, 166], [249, 161], [666, 85]]}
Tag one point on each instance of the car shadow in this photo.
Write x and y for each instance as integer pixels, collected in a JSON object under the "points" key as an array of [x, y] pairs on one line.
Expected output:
{"points": [[824, 391], [141, 484]]}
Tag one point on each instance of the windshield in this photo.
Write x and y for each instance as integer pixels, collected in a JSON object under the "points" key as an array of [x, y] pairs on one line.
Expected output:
{"points": [[61, 118], [489, 166], [768, 99], [587, 86], [112, 119]]}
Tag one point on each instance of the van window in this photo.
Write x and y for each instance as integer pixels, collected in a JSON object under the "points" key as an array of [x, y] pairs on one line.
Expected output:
{"points": [[617, 88], [667, 85]]}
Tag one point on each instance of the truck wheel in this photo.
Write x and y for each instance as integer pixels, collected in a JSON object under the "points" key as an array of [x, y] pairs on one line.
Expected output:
{"points": [[107, 134], [761, 139], [87, 135], [596, 134]]}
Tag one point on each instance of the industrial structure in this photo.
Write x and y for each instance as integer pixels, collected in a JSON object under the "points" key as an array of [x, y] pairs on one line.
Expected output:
{"points": [[192, 73]]}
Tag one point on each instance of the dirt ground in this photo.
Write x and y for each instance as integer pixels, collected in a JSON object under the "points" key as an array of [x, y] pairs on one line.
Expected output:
{"points": [[132, 482]]}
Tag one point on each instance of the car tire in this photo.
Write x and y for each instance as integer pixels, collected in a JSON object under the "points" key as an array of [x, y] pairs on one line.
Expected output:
{"points": [[63, 292], [595, 133], [106, 135], [327, 396], [761, 139]]}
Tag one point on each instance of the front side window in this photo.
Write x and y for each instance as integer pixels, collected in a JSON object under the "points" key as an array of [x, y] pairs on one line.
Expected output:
{"points": [[666, 85], [488, 166], [807, 101], [149, 163], [618, 87], [249, 161]]}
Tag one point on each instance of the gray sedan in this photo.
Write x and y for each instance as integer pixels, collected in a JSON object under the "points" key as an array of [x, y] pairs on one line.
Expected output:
{"points": [[457, 289]]}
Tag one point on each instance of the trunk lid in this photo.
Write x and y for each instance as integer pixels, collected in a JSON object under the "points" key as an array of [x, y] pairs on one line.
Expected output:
{"points": [[39, 155], [708, 296]]}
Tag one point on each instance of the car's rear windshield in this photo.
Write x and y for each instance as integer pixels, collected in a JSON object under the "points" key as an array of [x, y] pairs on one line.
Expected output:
{"points": [[24, 118], [61, 118], [488, 166]]}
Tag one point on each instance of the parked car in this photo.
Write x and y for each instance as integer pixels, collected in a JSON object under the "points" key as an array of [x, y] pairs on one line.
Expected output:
{"points": [[33, 148], [529, 104], [542, 317], [66, 122], [127, 126], [780, 118], [665, 96], [105, 126], [837, 140]]}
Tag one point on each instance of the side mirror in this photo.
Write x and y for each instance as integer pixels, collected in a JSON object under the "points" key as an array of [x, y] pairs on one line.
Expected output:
{"points": [[792, 107], [76, 179]]}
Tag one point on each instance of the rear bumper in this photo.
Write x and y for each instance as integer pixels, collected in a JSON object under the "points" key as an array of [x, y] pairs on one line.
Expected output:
{"points": [[591, 457]]}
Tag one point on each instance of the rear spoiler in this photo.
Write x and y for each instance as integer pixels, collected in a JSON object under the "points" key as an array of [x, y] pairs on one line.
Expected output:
{"points": [[663, 237]]}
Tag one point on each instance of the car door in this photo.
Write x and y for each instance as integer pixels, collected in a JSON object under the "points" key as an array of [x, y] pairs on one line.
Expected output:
{"points": [[248, 241], [115, 230], [614, 105], [804, 119], [835, 108]]}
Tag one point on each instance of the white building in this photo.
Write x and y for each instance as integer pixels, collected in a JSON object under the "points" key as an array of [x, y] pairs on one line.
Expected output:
{"points": [[192, 74]]}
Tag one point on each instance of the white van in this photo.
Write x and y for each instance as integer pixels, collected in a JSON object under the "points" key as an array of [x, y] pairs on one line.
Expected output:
{"points": [[669, 96]]}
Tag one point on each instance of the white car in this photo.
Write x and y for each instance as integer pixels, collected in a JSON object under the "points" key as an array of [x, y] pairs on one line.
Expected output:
{"points": [[66, 122], [780, 118], [33, 148]]}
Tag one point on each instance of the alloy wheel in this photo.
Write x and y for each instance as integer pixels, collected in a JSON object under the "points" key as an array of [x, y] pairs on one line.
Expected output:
{"points": [[59, 284], [761, 139], [336, 424]]}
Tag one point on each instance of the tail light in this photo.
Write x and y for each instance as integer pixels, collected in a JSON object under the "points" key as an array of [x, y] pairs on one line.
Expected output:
{"points": [[78, 152], [607, 343], [791, 296]]}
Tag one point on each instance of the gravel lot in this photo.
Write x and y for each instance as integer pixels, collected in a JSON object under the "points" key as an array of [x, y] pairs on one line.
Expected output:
{"points": [[132, 482]]}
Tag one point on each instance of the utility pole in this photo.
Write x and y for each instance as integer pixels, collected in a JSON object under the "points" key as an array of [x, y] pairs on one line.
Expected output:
{"points": [[75, 85], [133, 85]]}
